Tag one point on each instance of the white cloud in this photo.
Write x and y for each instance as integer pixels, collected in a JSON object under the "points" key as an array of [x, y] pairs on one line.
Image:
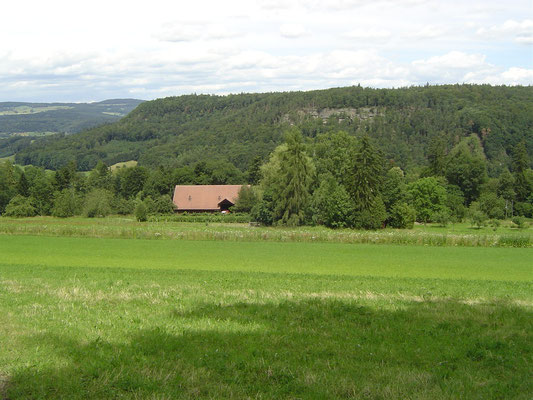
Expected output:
{"points": [[371, 33], [427, 32], [521, 31], [59, 53], [292, 31]]}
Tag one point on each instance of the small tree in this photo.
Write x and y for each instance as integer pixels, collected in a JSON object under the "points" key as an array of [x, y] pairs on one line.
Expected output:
{"points": [[20, 206], [141, 212], [442, 217], [162, 205], [402, 216], [428, 196], [98, 203], [66, 204], [372, 217], [332, 205], [520, 222], [477, 217], [246, 199], [263, 211]]}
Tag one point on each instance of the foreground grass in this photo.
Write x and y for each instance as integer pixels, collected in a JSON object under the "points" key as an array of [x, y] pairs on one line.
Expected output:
{"points": [[97, 318]]}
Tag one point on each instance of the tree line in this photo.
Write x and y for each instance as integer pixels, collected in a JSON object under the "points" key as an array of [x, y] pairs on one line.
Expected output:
{"points": [[336, 179]]}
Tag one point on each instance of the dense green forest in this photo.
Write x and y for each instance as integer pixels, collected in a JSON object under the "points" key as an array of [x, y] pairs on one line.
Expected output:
{"points": [[404, 123], [21, 123]]}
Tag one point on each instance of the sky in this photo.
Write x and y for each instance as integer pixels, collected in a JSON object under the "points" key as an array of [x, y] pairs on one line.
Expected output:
{"points": [[70, 51]]}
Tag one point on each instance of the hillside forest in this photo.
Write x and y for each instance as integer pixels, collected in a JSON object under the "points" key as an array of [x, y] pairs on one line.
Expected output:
{"points": [[347, 157]]}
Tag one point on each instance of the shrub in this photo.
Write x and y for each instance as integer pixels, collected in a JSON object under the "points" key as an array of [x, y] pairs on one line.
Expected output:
{"points": [[247, 199], [331, 204], [524, 209], [141, 212], [20, 206], [442, 217], [478, 218], [495, 224], [263, 212], [66, 204], [520, 222], [160, 206], [372, 218], [98, 203], [122, 206], [402, 216]]}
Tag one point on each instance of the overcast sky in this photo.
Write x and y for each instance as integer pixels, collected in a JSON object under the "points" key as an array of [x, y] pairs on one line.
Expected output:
{"points": [[59, 50]]}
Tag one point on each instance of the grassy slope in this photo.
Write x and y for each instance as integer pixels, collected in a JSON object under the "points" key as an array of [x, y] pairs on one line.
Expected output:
{"points": [[97, 318]]}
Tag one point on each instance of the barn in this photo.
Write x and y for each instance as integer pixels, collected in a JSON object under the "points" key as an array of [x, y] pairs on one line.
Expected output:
{"points": [[205, 198]]}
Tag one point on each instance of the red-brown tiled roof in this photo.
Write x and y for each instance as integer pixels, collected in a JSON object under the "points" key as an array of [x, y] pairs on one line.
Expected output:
{"points": [[204, 197]]}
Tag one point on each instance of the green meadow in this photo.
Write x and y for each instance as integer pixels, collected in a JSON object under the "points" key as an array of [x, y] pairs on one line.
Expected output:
{"points": [[97, 317]]}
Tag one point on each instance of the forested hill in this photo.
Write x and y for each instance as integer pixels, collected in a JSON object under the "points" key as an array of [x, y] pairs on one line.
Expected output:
{"points": [[405, 123], [20, 122]]}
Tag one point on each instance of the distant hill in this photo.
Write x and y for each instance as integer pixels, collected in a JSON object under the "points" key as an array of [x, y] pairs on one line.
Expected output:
{"points": [[23, 120], [403, 122]]}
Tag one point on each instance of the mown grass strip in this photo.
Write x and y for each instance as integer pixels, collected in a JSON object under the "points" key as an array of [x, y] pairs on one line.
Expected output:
{"points": [[318, 258]]}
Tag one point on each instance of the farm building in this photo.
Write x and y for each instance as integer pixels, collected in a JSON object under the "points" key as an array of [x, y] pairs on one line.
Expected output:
{"points": [[205, 198]]}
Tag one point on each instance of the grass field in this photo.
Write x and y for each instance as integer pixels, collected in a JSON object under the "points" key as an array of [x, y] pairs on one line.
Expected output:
{"points": [[126, 227], [162, 319]]}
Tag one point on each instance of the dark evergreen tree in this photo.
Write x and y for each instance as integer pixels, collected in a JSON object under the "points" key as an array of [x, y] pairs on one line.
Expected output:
{"points": [[23, 186]]}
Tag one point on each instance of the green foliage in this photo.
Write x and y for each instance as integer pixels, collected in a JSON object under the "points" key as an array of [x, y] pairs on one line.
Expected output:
{"points": [[520, 222], [477, 217], [23, 186], [372, 217], [520, 164], [394, 188], [442, 217], [366, 176], [20, 206], [291, 173], [66, 203], [333, 154], [131, 181], [492, 205], [332, 205], [467, 168], [161, 205], [524, 209], [100, 177], [98, 203], [246, 200], [495, 224], [263, 211], [254, 171], [41, 190], [141, 212], [428, 196], [455, 202], [402, 216], [7, 184]]}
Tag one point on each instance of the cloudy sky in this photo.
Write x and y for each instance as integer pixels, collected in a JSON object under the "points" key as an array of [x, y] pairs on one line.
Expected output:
{"points": [[59, 50]]}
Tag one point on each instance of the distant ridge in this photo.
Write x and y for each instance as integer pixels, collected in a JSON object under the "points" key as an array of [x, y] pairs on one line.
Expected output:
{"points": [[404, 123], [25, 117]]}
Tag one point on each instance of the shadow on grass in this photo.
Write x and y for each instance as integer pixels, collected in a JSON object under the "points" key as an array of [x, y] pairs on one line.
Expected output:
{"points": [[319, 348]]}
